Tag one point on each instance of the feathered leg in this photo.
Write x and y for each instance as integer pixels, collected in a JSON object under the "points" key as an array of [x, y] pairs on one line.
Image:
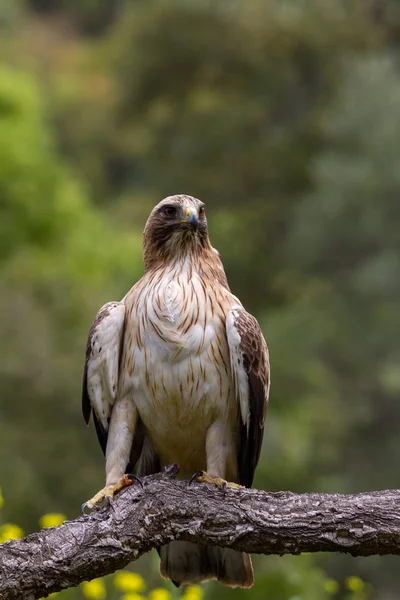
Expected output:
{"points": [[124, 418], [221, 458]]}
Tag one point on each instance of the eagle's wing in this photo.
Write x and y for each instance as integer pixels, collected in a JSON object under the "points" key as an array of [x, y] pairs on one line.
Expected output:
{"points": [[250, 367], [100, 377]]}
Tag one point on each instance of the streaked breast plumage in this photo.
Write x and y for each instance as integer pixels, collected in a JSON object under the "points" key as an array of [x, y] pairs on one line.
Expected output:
{"points": [[177, 360]]}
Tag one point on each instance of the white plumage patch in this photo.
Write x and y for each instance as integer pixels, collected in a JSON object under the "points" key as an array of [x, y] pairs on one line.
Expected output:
{"points": [[103, 359], [237, 365]]}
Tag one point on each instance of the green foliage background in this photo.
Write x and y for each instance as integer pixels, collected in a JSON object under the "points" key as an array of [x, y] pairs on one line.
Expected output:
{"points": [[284, 117]]}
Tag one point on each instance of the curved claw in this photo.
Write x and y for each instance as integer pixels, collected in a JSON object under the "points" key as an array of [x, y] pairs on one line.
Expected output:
{"points": [[195, 476], [84, 506], [135, 478], [224, 488]]}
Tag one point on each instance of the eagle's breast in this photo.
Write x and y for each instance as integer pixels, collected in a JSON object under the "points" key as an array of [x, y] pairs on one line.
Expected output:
{"points": [[176, 316], [177, 356]]}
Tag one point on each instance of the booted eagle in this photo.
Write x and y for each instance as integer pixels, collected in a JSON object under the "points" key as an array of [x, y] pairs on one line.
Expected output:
{"points": [[178, 372]]}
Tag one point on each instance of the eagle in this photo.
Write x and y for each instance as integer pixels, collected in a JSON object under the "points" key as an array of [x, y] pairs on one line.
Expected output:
{"points": [[178, 372]]}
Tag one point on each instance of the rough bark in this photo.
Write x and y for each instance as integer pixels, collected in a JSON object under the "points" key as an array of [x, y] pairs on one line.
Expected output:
{"points": [[166, 509]]}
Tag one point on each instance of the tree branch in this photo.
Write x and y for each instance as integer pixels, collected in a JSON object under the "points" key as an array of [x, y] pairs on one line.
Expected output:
{"points": [[165, 510]]}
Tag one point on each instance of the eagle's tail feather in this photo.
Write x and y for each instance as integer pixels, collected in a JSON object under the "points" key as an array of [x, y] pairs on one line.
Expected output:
{"points": [[185, 562]]}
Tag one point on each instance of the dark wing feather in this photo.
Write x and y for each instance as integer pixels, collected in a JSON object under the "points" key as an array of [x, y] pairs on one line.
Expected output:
{"points": [[102, 434], [86, 406], [101, 372], [250, 367]]}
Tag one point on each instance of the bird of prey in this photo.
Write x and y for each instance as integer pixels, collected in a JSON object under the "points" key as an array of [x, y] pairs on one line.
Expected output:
{"points": [[178, 372]]}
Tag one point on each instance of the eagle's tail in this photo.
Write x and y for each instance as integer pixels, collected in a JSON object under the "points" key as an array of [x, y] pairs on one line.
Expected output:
{"points": [[185, 562]]}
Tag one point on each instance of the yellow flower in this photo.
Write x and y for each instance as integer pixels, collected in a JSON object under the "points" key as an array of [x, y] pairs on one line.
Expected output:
{"points": [[331, 586], [132, 596], [10, 531], [1, 499], [159, 593], [52, 520], [126, 581], [354, 584], [193, 592], [94, 590]]}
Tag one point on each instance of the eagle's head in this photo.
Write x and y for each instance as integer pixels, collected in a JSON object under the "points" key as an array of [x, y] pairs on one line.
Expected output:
{"points": [[176, 228]]}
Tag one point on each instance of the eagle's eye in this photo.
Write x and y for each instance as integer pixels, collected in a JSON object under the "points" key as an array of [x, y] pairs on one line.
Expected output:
{"points": [[169, 211], [202, 211]]}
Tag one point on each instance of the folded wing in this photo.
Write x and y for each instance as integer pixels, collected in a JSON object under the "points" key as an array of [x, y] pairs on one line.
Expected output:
{"points": [[250, 368], [100, 378]]}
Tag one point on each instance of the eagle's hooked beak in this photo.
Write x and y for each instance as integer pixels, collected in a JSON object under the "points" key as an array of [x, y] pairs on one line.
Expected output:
{"points": [[192, 217]]}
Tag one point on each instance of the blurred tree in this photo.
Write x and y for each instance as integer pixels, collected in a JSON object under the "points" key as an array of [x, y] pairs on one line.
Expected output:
{"points": [[339, 337], [58, 260], [345, 254], [91, 17], [221, 101]]}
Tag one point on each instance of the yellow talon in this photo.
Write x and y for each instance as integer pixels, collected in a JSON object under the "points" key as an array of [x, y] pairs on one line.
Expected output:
{"points": [[109, 491], [222, 484]]}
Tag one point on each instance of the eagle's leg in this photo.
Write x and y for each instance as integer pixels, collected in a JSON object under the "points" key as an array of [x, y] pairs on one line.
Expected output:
{"points": [[221, 458], [123, 423]]}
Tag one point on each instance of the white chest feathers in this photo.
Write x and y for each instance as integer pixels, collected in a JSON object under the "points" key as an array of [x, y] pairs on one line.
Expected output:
{"points": [[176, 319], [177, 357]]}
